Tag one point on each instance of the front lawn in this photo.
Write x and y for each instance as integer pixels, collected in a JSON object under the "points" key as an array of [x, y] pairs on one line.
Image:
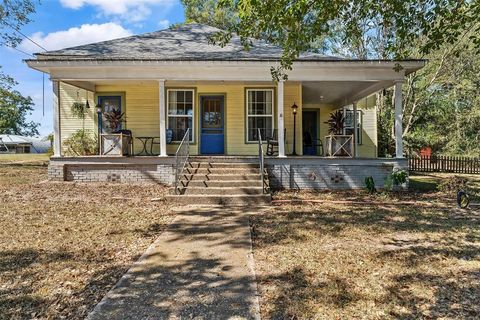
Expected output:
{"points": [[64, 245], [407, 256]]}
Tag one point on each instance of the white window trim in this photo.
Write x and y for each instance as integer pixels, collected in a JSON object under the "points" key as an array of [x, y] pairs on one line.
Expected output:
{"points": [[360, 127], [182, 115], [258, 115]]}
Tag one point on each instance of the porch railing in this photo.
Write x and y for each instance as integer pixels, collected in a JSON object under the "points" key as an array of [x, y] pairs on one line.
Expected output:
{"points": [[339, 145], [261, 161], [181, 158]]}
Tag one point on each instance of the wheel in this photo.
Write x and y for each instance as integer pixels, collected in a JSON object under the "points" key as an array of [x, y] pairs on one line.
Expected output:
{"points": [[463, 200]]}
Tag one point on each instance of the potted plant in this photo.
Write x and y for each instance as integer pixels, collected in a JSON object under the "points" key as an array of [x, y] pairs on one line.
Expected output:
{"points": [[114, 119], [336, 123], [114, 143]]}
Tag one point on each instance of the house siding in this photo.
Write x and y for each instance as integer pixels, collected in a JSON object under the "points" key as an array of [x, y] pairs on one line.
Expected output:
{"points": [[69, 124], [141, 107], [143, 117]]}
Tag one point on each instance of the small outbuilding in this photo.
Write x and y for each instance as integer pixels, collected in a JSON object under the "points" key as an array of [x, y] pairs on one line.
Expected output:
{"points": [[10, 143]]}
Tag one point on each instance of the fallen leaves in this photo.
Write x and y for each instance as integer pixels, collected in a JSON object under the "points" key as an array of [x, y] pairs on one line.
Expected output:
{"points": [[64, 245]]}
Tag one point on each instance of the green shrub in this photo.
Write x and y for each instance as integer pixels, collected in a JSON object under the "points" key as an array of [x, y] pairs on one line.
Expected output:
{"points": [[370, 184], [396, 178], [81, 143]]}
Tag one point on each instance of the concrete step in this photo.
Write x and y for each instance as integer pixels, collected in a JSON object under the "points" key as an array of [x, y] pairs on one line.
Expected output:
{"points": [[223, 191], [257, 199], [222, 177], [224, 159], [240, 170], [221, 165], [221, 183]]}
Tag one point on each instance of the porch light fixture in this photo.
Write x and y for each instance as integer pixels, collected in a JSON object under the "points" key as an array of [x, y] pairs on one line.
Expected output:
{"points": [[87, 105], [294, 110]]}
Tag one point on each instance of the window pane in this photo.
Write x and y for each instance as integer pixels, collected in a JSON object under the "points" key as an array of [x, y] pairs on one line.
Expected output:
{"points": [[260, 102], [348, 122], [262, 123], [172, 108], [179, 125], [250, 100], [172, 96], [189, 108], [180, 108], [268, 102], [189, 97]]}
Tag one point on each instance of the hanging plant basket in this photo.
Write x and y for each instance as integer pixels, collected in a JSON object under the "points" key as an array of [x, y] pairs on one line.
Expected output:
{"points": [[78, 110]]}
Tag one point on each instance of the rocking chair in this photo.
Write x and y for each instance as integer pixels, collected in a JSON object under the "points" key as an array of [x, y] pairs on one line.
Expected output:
{"points": [[272, 142]]}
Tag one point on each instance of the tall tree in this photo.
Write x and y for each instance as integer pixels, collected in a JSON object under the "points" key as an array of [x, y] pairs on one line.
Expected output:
{"points": [[295, 25], [210, 13], [13, 15], [14, 109]]}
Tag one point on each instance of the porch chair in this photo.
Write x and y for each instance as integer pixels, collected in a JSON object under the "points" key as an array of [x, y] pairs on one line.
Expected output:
{"points": [[272, 142], [312, 146]]}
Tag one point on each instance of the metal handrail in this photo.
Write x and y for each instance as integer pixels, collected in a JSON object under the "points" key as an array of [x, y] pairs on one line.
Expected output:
{"points": [[261, 160], [181, 158]]}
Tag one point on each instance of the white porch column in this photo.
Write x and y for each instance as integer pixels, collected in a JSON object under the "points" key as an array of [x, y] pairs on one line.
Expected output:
{"points": [[163, 128], [398, 119], [280, 120], [355, 127], [57, 145]]}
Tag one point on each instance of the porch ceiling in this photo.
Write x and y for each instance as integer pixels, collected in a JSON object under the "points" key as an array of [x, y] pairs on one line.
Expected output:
{"points": [[339, 92]]}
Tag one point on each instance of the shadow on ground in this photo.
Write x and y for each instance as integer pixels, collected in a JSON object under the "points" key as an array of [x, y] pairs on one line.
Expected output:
{"points": [[197, 268], [434, 256]]}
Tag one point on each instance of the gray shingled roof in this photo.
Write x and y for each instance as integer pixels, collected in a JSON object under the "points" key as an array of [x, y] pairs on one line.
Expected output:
{"points": [[186, 42]]}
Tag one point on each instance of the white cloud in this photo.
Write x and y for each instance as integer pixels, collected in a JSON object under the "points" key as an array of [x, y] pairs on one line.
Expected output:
{"points": [[86, 33], [163, 24], [131, 10]]}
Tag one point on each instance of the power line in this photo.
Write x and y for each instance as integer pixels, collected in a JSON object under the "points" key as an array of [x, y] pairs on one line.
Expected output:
{"points": [[21, 51], [25, 36], [31, 55]]}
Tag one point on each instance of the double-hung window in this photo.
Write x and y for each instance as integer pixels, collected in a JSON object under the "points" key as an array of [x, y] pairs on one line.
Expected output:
{"points": [[348, 124], [180, 104], [259, 113]]}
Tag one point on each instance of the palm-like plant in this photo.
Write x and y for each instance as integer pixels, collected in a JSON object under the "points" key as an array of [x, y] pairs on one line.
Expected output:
{"points": [[114, 118], [336, 122]]}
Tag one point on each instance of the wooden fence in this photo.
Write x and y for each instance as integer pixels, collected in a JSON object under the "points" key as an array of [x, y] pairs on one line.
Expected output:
{"points": [[444, 164]]}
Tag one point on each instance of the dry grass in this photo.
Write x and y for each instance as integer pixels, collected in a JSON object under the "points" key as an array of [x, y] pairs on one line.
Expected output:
{"points": [[365, 260], [23, 157], [64, 245]]}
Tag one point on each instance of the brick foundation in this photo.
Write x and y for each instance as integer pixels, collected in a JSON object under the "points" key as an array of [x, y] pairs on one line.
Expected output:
{"points": [[284, 173], [112, 170], [329, 173]]}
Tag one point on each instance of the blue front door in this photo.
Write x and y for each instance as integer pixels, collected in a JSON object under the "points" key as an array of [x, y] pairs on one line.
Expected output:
{"points": [[212, 129]]}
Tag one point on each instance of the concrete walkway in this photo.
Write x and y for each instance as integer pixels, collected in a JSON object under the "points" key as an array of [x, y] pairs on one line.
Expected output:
{"points": [[201, 267]]}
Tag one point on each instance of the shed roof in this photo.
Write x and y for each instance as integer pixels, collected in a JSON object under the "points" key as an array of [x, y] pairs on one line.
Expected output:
{"points": [[39, 145]]}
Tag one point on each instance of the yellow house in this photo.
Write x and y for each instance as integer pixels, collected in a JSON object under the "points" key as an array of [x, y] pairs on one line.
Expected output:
{"points": [[167, 82]]}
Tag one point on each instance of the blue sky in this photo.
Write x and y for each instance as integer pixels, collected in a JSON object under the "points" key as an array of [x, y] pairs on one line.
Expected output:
{"points": [[65, 23]]}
